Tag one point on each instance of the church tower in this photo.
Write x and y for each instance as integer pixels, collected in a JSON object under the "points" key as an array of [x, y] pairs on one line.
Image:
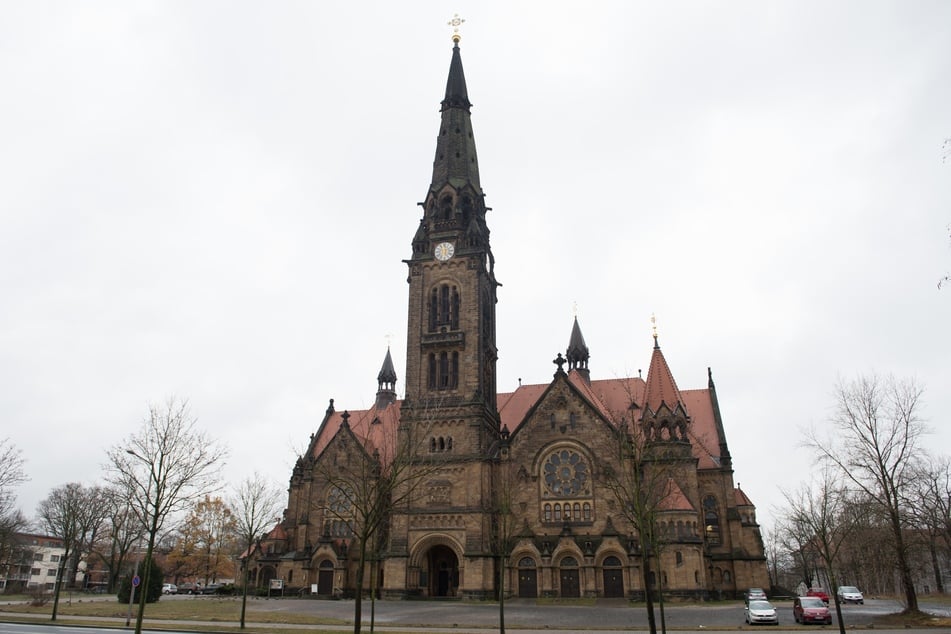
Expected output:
{"points": [[449, 414], [450, 350]]}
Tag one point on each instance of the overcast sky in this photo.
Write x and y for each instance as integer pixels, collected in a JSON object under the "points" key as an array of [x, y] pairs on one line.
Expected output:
{"points": [[212, 200]]}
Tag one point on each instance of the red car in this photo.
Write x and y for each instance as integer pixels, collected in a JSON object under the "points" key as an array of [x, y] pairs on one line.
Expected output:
{"points": [[811, 610], [819, 592]]}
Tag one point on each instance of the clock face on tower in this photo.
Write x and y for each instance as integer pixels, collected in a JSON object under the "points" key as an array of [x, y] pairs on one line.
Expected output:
{"points": [[444, 251]]}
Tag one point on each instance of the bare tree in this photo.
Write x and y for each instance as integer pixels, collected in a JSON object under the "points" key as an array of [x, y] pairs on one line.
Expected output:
{"points": [[363, 479], [821, 515], [641, 483], [255, 504], [874, 441], [931, 504], [76, 515], [122, 531], [11, 476], [164, 467], [505, 527]]}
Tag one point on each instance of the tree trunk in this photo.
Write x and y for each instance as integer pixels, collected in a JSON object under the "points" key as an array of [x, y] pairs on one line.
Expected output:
{"points": [[648, 595], [904, 569], [60, 573], [244, 594], [502, 594], [939, 582], [358, 600]]}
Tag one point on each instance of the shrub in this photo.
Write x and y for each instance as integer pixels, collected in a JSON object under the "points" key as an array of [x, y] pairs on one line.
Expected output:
{"points": [[153, 592]]}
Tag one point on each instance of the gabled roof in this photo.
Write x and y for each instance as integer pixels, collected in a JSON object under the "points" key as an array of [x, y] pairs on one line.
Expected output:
{"points": [[376, 427], [674, 498]]}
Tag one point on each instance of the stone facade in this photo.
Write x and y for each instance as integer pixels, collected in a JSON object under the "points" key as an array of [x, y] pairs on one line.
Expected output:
{"points": [[528, 483]]}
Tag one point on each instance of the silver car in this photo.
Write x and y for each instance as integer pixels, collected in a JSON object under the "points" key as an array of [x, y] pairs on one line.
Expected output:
{"points": [[850, 594], [758, 611]]}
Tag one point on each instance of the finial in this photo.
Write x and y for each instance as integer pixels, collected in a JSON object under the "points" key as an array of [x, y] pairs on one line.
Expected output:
{"points": [[574, 309], [654, 327], [455, 23], [560, 361], [389, 340]]}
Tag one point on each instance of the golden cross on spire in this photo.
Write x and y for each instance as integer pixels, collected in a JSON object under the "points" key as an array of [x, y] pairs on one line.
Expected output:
{"points": [[455, 23], [654, 325]]}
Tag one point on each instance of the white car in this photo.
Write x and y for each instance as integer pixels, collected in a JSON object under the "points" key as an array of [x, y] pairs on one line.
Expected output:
{"points": [[758, 611], [169, 588], [850, 594]]}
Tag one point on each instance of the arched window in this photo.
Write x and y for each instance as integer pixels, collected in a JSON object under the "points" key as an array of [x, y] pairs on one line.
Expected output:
{"points": [[548, 512], [611, 562], [587, 512], [679, 558], [444, 305], [432, 371], [711, 520], [558, 512], [526, 562]]}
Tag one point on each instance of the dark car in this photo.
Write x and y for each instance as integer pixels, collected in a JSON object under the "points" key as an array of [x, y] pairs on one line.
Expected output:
{"points": [[212, 588], [189, 588], [811, 610]]}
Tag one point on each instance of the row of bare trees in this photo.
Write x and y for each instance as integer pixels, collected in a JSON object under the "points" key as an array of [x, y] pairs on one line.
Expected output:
{"points": [[877, 501], [167, 469]]}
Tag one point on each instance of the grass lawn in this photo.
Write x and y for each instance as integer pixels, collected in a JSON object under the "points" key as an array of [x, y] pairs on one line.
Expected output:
{"points": [[198, 609]]}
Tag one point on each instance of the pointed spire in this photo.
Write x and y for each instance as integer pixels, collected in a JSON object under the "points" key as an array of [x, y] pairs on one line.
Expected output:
{"points": [[661, 387], [457, 96], [456, 163], [386, 382], [577, 352]]}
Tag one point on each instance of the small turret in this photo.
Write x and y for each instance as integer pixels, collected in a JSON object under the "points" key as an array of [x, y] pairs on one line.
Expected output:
{"points": [[386, 383], [577, 352]]}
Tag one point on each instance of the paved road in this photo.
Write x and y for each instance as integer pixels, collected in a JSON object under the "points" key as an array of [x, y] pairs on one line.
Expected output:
{"points": [[527, 617]]}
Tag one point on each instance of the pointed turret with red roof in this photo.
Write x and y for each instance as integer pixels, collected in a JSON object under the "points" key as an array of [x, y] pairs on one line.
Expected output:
{"points": [[664, 415]]}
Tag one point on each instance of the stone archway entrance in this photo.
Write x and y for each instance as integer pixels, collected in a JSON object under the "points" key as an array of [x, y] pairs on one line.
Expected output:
{"points": [[527, 578], [613, 578], [325, 578], [443, 569]]}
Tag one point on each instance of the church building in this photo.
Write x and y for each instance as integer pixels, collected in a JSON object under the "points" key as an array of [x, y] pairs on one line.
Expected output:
{"points": [[518, 492]]}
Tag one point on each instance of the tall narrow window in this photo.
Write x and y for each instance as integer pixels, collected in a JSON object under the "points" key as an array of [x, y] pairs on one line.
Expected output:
{"points": [[433, 310], [454, 309], [432, 371], [443, 370], [454, 371]]}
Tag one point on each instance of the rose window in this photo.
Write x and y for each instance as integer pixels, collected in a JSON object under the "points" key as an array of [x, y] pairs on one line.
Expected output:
{"points": [[566, 474]]}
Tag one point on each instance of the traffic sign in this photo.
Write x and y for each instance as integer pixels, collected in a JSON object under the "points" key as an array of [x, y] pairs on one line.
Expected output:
{"points": [[136, 580]]}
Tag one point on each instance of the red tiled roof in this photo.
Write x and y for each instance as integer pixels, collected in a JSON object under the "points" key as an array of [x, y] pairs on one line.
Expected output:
{"points": [[740, 497], [611, 398], [674, 498], [661, 387]]}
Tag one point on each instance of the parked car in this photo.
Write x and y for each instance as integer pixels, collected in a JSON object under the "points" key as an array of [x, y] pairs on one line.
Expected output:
{"points": [[189, 588], [169, 588], [761, 611], [850, 594], [755, 594], [819, 592], [212, 588], [811, 610]]}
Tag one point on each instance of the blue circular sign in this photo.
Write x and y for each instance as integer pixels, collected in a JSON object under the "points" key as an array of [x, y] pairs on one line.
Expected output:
{"points": [[136, 580]]}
